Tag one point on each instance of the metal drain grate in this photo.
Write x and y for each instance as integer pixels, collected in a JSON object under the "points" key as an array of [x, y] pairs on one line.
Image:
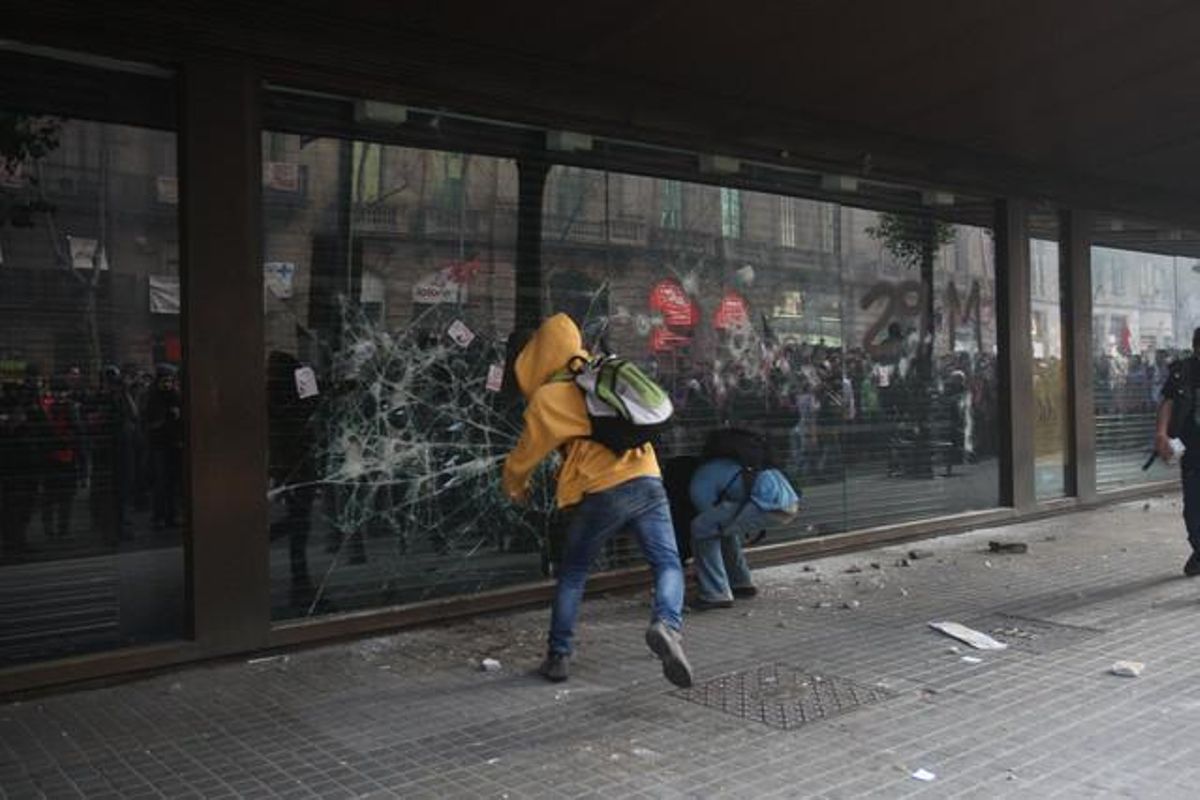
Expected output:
{"points": [[1031, 635], [782, 696]]}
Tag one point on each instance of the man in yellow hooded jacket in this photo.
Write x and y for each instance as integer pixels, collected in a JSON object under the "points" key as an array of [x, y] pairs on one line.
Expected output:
{"points": [[604, 492]]}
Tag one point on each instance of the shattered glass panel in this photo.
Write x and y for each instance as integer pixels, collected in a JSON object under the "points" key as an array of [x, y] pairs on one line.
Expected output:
{"points": [[385, 348]]}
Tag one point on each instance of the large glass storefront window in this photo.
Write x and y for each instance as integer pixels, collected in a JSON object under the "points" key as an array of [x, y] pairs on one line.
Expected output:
{"points": [[862, 342], [857, 331], [91, 416], [1145, 305]]}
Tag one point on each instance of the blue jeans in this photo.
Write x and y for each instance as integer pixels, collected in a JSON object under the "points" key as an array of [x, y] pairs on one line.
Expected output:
{"points": [[717, 545], [640, 506]]}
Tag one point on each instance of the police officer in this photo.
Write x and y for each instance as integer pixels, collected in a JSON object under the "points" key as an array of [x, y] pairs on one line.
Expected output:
{"points": [[1177, 420]]}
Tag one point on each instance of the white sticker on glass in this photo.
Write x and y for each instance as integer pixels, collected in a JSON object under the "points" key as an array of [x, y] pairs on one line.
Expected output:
{"points": [[306, 383], [495, 378], [460, 333]]}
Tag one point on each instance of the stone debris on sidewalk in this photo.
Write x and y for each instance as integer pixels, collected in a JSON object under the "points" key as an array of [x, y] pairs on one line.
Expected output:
{"points": [[977, 639], [414, 714], [1128, 669], [490, 665]]}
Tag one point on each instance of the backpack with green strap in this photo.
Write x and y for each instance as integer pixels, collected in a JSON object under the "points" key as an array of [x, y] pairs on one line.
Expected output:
{"points": [[625, 406]]}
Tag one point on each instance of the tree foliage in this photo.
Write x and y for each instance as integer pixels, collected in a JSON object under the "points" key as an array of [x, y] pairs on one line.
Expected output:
{"points": [[911, 238], [25, 138]]}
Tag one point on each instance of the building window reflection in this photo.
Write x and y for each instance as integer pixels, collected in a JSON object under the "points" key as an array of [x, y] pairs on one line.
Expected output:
{"points": [[731, 213]]}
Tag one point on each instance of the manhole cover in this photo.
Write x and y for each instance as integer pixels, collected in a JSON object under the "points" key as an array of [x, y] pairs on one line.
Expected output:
{"points": [[782, 696], [1031, 635]]}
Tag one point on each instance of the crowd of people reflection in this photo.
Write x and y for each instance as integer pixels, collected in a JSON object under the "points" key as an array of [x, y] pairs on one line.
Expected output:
{"points": [[1131, 383], [89, 463], [895, 408]]}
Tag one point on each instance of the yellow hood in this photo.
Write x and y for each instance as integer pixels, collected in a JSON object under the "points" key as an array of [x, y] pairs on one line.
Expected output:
{"points": [[554, 343], [556, 419]]}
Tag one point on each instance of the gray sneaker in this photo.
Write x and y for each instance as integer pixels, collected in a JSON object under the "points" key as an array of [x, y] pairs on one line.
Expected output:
{"points": [[667, 645], [555, 668]]}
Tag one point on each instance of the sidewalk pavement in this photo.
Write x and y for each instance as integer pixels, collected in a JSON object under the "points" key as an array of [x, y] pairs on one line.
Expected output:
{"points": [[829, 684]]}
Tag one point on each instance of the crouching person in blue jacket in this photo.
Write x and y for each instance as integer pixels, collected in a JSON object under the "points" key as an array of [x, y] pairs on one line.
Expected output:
{"points": [[725, 516]]}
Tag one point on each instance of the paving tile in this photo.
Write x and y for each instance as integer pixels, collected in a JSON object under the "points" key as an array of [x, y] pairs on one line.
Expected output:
{"points": [[1042, 718]]}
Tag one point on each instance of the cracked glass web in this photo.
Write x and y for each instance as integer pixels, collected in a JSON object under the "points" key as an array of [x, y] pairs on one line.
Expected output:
{"points": [[409, 441]]}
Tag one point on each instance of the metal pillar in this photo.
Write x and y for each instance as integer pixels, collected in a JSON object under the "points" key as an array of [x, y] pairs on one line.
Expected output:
{"points": [[225, 374], [1015, 358]]}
